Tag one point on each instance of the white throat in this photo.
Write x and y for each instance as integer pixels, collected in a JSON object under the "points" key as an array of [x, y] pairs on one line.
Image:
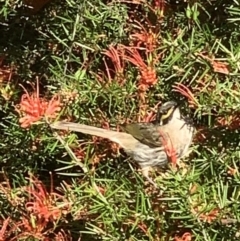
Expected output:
{"points": [[176, 115]]}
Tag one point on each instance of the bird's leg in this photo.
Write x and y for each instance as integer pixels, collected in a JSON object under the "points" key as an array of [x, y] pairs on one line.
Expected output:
{"points": [[180, 164], [145, 171]]}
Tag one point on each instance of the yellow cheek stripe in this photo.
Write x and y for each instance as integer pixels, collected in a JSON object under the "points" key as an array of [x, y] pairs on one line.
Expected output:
{"points": [[163, 117]]}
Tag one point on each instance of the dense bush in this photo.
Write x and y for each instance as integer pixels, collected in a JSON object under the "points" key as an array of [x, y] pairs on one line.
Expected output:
{"points": [[105, 63]]}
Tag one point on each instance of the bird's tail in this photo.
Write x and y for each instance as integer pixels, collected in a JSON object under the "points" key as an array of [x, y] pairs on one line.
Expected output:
{"points": [[118, 137]]}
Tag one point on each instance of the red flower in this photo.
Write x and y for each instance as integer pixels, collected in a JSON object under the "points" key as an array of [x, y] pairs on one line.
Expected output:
{"points": [[4, 229], [182, 89], [231, 121], [208, 217], [148, 73], [185, 237], [168, 147], [44, 205], [145, 38], [218, 67], [32, 108], [113, 54]]}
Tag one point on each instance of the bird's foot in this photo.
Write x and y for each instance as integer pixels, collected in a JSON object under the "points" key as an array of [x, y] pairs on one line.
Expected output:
{"points": [[145, 172]]}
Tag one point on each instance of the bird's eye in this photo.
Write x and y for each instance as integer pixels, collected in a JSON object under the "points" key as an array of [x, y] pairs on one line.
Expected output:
{"points": [[164, 112]]}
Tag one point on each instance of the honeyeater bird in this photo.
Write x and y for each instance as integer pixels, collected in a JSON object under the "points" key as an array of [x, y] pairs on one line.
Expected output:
{"points": [[147, 143]]}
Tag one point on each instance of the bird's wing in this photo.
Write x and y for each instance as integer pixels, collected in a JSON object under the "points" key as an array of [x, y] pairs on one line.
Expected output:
{"points": [[146, 133]]}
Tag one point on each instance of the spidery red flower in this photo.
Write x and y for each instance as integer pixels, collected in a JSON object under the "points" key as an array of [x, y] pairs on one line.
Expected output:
{"points": [[3, 229], [182, 89], [218, 67], [144, 38], [148, 73], [113, 54], [231, 121], [185, 237], [43, 204], [168, 147], [63, 235], [32, 108], [208, 217]]}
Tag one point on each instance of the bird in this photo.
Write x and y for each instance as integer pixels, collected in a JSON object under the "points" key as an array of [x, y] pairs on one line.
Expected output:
{"points": [[146, 142]]}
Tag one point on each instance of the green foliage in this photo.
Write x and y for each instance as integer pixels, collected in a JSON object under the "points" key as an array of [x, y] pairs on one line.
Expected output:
{"points": [[98, 192]]}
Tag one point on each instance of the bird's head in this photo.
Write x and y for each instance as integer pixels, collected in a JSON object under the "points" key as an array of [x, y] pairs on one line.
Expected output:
{"points": [[167, 112]]}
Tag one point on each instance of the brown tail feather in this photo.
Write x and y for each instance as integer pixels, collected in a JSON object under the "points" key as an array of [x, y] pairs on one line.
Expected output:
{"points": [[123, 139]]}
